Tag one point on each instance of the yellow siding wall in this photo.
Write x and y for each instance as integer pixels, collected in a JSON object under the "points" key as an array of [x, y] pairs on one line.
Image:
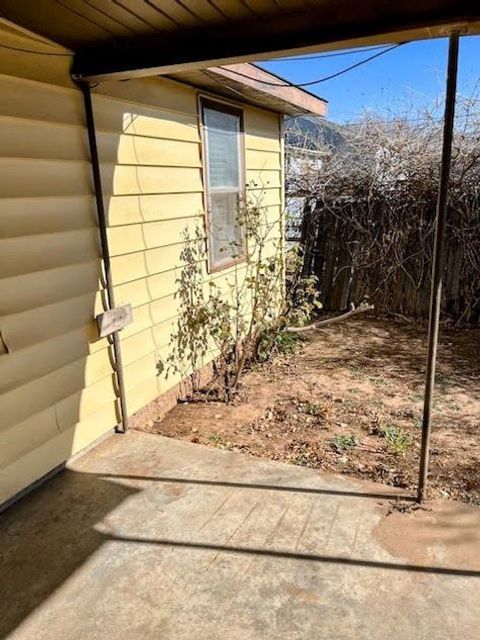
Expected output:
{"points": [[56, 388], [56, 381], [157, 193]]}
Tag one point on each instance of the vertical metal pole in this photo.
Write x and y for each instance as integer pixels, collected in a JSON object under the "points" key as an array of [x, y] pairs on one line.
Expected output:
{"points": [[102, 224], [437, 266]]}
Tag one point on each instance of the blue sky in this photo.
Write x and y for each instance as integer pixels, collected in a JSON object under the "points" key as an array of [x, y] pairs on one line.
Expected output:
{"points": [[413, 73]]}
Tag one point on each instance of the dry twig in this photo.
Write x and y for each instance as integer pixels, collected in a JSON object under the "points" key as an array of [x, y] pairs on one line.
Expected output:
{"points": [[362, 308]]}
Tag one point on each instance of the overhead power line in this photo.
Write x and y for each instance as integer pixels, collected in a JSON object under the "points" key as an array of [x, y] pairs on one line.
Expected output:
{"points": [[244, 75], [300, 85], [334, 54], [286, 83]]}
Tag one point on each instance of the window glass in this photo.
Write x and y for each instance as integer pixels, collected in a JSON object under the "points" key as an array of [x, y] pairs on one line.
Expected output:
{"points": [[222, 129], [223, 150]]}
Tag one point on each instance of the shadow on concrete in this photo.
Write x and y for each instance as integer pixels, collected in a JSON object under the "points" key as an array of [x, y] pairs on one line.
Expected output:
{"points": [[46, 536], [264, 487], [309, 557]]}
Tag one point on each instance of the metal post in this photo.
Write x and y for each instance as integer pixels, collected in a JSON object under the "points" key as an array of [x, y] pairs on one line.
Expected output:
{"points": [[102, 223], [437, 266]]}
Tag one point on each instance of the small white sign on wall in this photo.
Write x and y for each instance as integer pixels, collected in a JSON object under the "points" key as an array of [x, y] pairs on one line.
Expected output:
{"points": [[114, 320]]}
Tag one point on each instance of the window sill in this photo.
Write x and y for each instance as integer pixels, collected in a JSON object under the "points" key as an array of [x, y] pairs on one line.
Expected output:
{"points": [[221, 266]]}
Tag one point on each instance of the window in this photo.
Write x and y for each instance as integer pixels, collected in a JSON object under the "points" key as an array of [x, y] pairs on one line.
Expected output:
{"points": [[224, 183]]}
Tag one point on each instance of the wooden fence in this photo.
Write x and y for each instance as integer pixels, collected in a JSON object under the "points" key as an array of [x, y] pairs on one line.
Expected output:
{"points": [[347, 271]]}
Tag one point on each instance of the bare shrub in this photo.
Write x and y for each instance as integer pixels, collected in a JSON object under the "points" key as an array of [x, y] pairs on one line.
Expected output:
{"points": [[368, 213], [241, 316]]}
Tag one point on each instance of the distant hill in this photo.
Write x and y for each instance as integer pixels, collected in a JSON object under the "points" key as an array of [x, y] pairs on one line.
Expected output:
{"points": [[315, 133]]}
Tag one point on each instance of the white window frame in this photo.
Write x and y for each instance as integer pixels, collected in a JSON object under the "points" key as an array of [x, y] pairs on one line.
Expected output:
{"points": [[223, 107]]}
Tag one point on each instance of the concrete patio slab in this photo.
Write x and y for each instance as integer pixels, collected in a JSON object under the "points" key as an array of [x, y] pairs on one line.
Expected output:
{"points": [[146, 537]]}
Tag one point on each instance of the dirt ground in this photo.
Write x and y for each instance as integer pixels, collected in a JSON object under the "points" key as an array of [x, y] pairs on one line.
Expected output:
{"points": [[350, 401]]}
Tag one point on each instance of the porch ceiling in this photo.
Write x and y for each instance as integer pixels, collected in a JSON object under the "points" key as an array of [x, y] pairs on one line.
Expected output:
{"points": [[126, 38]]}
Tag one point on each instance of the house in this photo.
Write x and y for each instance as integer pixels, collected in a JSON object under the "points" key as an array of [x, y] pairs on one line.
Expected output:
{"points": [[143, 62], [307, 140], [169, 149], [146, 537]]}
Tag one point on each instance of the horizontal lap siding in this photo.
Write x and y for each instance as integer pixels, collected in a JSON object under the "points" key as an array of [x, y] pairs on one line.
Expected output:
{"points": [[56, 382], [148, 231], [27, 254], [25, 216], [153, 185], [56, 391], [264, 169]]}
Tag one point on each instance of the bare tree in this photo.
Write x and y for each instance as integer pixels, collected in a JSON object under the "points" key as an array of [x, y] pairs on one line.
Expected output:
{"points": [[369, 208]]}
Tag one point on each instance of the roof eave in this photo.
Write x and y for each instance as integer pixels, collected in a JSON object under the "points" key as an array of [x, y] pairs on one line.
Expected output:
{"points": [[291, 100], [256, 86]]}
